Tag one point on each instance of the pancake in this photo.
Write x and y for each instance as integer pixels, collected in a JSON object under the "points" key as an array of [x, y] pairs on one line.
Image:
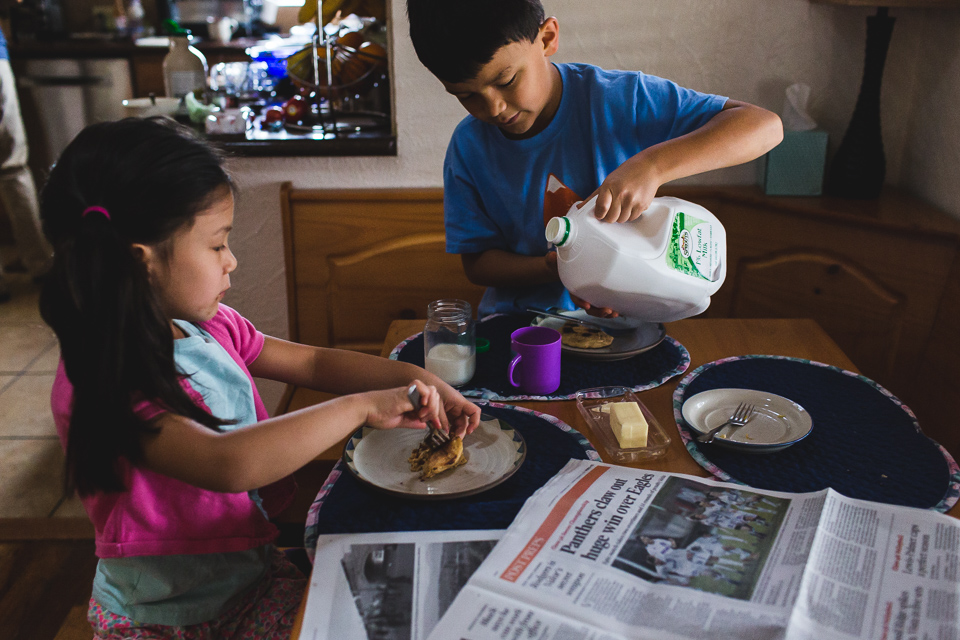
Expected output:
{"points": [[429, 462], [574, 334]]}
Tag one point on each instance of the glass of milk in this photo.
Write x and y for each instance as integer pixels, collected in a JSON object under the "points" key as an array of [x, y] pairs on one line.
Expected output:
{"points": [[449, 343]]}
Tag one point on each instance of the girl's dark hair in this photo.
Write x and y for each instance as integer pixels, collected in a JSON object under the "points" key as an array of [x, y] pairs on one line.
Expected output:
{"points": [[152, 176], [455, 38]]}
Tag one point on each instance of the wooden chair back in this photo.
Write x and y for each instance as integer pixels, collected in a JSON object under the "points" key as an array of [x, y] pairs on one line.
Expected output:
{"points": [[359, 259]]}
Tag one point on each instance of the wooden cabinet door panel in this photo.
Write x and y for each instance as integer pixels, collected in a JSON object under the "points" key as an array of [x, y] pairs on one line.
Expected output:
{"points": [[861, 314], [937, 382], [900, 263]]}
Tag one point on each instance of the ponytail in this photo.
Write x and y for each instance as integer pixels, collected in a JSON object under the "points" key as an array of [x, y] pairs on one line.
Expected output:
{"points": [[116, 184]]}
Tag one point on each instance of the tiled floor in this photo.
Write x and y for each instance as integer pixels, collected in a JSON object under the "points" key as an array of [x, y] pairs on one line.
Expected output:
{"points": [[31, 461]]}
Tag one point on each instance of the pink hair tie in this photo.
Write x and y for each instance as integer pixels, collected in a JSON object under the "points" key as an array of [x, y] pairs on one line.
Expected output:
{"points": [[98, 210]]}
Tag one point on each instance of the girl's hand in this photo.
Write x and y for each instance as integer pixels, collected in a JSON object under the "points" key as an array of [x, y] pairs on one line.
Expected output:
{"points": [[461, 416], [391, 408]]}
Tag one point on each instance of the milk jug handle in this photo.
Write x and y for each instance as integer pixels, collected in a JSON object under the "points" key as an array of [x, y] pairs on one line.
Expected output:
{"points": [[513, 365]]}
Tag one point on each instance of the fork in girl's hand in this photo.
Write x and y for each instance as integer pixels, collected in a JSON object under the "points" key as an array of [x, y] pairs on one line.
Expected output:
{"points": [[436, 437]]}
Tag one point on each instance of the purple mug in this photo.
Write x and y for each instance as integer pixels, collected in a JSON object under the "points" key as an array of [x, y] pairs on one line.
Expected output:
{"points": [[535, 368]]}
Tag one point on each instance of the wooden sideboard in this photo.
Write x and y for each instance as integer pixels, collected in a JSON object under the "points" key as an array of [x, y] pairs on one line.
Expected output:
{"points": [[881, 276]]}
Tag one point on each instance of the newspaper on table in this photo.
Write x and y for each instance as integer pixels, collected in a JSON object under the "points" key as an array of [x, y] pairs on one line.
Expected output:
{"points": [[389, 585], [606, 552]]}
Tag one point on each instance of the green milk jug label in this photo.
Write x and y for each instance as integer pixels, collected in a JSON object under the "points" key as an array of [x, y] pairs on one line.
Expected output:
{"points": [[693, 248]]}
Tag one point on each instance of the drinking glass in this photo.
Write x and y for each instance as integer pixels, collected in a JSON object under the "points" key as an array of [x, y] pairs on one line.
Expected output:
{"points": [[449, 342]]}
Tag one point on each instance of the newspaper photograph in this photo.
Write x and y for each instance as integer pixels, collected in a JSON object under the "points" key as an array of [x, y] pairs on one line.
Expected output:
{"points": [[604, 552], [389, 586]]}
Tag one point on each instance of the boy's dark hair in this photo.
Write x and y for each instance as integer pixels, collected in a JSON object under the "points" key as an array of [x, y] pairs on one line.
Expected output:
{"points": [[152, 177], [455, 38]]}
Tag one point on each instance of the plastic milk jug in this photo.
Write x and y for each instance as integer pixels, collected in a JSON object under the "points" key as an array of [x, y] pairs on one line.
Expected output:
{"points": [[661, 267]]}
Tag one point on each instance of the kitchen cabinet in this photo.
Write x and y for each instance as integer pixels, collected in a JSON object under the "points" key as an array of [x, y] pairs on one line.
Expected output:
{"points": [[881, 276]]}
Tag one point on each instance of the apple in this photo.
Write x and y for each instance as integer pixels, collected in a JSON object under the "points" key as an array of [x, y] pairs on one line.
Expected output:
{"points": [[295, 109], [273, 114]]}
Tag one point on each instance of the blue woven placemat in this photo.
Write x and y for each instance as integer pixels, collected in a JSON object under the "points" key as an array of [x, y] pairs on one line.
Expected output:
{"points": [[346, 505], [865, 443], [490, 382]]}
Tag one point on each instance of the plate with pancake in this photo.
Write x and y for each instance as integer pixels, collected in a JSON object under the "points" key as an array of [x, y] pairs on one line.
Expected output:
{"points": [[616, 339], [381, 459]]}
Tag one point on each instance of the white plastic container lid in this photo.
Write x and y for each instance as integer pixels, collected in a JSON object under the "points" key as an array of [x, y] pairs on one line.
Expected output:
{"points": [[558, 231]]}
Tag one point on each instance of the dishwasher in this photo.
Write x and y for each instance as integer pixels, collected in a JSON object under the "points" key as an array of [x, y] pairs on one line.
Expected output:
{"points": [[59, 97]]}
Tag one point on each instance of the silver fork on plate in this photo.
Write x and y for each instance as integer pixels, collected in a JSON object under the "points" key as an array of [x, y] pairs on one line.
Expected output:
{"points": [[740, 417], [436, 437]]}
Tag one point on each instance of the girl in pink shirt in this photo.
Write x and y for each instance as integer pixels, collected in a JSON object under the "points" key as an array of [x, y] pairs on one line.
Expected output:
{"points": [[167, 441]]}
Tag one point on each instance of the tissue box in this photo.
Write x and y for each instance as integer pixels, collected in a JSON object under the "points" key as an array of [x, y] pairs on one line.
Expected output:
{"points": [[795, 166]]}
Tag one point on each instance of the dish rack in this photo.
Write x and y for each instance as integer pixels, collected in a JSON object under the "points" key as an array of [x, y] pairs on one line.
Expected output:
{"points": [[344, 78]]}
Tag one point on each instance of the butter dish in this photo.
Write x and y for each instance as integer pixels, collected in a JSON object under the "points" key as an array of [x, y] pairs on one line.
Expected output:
{"points": [[592, 405]]}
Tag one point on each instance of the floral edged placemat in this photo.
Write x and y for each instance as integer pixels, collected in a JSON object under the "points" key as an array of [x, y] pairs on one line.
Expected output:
{"points": [[490, 382], [345, 505], [865, 443]]}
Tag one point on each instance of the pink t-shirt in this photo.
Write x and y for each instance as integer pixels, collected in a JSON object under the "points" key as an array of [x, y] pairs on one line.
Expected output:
{"points": [[159, 515]]}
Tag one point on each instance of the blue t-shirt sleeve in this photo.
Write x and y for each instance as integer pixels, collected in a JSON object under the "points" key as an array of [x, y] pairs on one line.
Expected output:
{"points": [[665, 110], [468, 227]]}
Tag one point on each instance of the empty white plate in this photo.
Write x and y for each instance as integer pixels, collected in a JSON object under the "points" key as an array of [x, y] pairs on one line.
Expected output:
{"points": [[777, 423]]}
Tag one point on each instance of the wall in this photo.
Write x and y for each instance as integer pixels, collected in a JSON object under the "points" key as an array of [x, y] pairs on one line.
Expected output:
{"points": [[931, 155], [750, 50]]}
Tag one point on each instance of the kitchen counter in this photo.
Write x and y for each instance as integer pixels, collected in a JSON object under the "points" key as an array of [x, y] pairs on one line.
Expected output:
{"points": [[103, 47], [146, 77], [285, 144]]}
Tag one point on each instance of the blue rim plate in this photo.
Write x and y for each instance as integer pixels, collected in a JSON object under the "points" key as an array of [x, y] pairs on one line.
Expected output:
{"points": [[778, 422]]}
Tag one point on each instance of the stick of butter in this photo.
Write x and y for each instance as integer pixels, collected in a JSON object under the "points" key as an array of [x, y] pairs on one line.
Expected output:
{"points": [[628, 424]]}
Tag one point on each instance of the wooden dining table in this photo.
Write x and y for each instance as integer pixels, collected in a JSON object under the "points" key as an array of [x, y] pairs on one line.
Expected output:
{"points": [[706, 340]]}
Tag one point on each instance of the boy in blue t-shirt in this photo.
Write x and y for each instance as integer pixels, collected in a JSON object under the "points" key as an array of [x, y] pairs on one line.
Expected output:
{"points": [[542, 136]]}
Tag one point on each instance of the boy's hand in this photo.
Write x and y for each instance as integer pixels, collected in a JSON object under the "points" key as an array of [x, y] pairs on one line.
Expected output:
{"points": [[550, 257], [627, 192], [597, 312]]}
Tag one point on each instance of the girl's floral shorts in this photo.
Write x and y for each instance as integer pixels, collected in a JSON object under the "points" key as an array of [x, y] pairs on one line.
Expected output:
{"points": [[267, 613]]}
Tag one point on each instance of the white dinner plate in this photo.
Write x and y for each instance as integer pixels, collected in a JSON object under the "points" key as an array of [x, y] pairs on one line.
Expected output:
{"points": [[379, 458], [777, 423], [633, 336]]}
